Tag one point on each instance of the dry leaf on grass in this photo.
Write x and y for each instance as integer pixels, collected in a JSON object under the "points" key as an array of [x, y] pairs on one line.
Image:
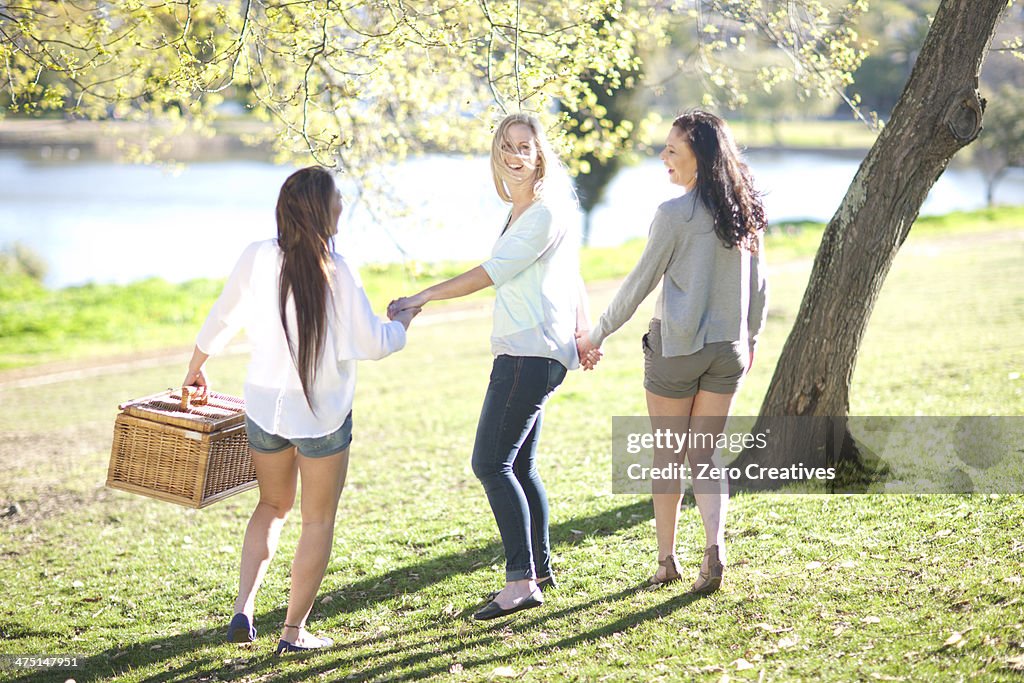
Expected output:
{"points": [[1016, 663], [956, 639], [742, 664], [504, 672], [788, 642]]}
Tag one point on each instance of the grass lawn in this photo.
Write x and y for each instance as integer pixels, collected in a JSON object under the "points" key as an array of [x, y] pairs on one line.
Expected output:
{"points": [[824, 588]]}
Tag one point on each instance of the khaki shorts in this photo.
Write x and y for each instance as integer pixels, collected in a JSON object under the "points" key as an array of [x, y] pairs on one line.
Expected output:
{"points": [[719, 367]]}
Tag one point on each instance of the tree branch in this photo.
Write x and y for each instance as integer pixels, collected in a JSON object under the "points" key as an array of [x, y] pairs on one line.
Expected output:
{"points": [[305, 88], [519, 92]]}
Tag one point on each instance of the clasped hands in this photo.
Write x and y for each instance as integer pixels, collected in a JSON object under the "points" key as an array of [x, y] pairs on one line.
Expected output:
{"points": [[588, 353], [412, 303]]}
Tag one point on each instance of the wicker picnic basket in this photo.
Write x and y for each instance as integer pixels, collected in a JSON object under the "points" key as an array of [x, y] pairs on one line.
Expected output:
{"points": [[194, 455]]}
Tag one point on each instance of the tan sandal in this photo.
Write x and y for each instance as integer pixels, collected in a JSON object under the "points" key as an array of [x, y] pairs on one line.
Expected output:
{"points": [[710, 580], [673, 572]]}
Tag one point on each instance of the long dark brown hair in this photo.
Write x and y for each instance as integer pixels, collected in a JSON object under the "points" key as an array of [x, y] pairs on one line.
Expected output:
{"points": [[724, 183], [305, 235]]}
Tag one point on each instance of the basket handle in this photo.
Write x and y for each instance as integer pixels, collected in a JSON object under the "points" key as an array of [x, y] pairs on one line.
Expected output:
{"points": [[194, 398]]}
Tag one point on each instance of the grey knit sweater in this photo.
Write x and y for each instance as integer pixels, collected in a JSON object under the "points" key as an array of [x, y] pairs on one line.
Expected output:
{"points": [[710, 293]]}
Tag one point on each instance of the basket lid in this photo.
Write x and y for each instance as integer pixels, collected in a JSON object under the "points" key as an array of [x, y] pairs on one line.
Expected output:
{"points": [[220, 411]]}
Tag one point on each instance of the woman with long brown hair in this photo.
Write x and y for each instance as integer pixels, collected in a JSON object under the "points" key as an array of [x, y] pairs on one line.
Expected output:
{"points": [[308, 322], [706, 248]]}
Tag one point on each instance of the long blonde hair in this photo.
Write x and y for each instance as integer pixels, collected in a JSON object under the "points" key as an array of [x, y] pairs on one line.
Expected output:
{"points": [[549, 176], [305, 235]]}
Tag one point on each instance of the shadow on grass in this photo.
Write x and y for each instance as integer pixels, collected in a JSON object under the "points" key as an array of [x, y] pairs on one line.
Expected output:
{"points": [[416, 655], [408, 658], [249, 662]]}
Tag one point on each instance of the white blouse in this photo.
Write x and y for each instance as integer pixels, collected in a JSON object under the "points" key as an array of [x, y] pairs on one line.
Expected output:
{"points": [[534, 266], [273, 392]]}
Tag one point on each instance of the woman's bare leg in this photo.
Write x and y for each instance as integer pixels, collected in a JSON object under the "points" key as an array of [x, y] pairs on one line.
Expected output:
{"points": [[667, 494], [276, 474], [709, 415], [322, 482]]}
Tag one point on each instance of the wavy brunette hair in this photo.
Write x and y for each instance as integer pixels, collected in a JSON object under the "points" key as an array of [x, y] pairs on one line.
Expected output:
{"points": [[724, 183], [305, 235]]}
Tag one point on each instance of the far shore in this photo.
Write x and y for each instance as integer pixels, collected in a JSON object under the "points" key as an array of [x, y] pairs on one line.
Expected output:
{"points": [[106, 139], [103, 139]]}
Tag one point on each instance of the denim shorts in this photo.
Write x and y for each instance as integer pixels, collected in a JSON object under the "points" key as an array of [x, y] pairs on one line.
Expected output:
{"points": [[316, 447]]}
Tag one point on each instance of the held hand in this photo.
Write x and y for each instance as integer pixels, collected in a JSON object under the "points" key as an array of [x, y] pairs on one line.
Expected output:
{"points": [[402, 303], [588, 353], [590, 360], [406, 315]]}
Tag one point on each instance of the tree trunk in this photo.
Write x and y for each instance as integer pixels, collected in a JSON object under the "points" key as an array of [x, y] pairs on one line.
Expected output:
{"points": [[991, 180], [938, 113]]}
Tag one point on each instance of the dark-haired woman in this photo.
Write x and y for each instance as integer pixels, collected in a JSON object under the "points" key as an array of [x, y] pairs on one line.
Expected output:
{"points": [[706, 248], [308, 321]]}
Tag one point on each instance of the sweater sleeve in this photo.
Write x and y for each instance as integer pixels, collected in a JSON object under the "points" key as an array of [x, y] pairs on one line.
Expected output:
{"points": [[758, 312], [228, 314], [661, 245], [362, 335]]}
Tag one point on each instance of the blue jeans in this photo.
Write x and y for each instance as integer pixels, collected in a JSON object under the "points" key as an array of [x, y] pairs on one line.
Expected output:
{"points": [[505, 459]]}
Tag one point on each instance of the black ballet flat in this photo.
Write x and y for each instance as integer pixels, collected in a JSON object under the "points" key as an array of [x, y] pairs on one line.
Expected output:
{"points": [[284, 646], [495, 611], [543, 584], [241, 629]]}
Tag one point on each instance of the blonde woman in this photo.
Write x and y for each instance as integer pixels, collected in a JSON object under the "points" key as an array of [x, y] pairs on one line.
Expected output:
{"points": [[539, 308], [309, 321], [706, 247]]}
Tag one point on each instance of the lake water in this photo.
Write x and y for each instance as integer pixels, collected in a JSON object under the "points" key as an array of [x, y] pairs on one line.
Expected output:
{"points": [[104, 222]]}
